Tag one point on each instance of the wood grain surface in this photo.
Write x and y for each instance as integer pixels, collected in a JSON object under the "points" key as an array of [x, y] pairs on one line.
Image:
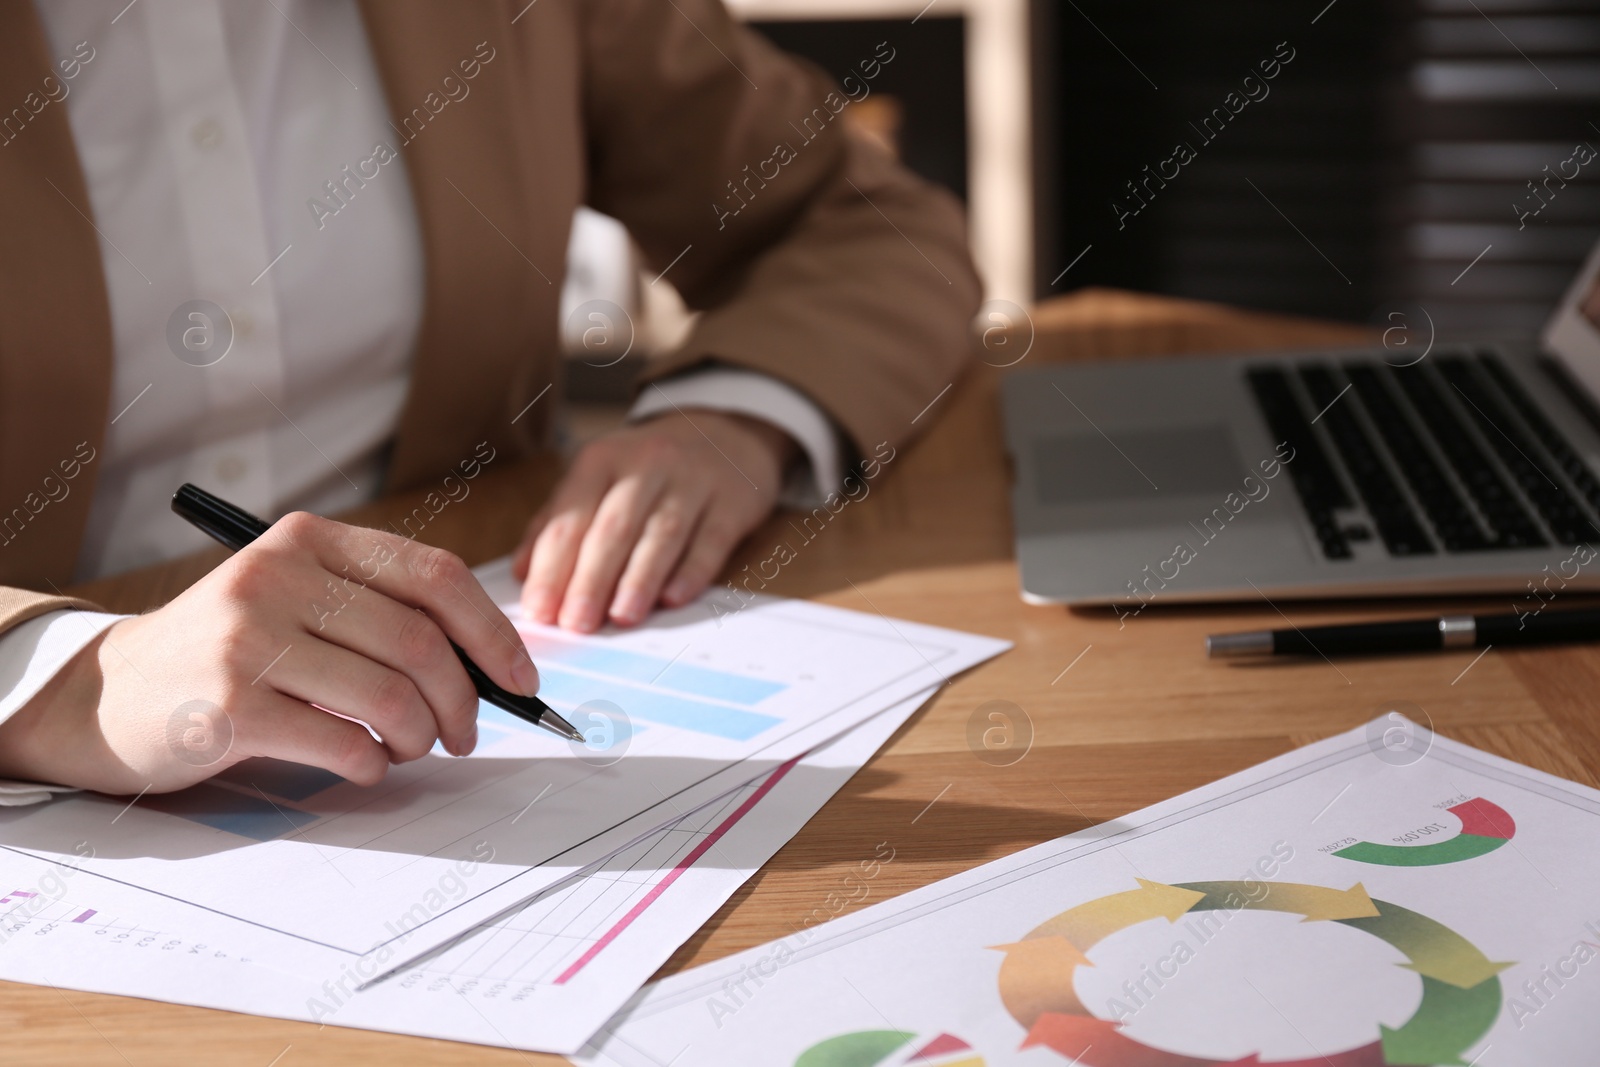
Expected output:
{"points": [[1122, 715]]}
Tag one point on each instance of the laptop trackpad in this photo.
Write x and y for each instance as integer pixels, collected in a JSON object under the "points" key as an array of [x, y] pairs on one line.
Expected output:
{"points": [[1082, 468]]}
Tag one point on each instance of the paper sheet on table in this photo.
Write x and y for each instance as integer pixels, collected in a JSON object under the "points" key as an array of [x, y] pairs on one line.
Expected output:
{"points": [[1356, 902], [714, 699], [542, 979]]}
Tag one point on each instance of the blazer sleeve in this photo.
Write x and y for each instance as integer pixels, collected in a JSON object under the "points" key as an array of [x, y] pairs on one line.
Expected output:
{"points": [[813, 256], [17, 606]]}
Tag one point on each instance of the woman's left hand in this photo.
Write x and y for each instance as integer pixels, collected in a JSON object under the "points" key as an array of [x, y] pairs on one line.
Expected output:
{"points": [[649, 514]]}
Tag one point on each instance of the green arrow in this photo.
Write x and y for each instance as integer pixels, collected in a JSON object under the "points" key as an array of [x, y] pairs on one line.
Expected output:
{"points": [[1435, 950], [1449, 1021], [1460, 847]]}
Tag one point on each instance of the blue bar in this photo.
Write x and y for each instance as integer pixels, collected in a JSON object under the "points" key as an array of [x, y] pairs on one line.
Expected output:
{"points": [[281, 778], [653, 670], [236, 813], [572, 690]]}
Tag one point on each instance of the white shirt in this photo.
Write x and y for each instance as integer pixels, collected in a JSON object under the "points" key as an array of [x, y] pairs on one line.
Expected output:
{"points": [[205, 128]]}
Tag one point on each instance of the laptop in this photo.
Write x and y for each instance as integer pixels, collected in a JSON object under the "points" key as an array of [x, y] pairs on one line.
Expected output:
{"points": [[1464, 468]]}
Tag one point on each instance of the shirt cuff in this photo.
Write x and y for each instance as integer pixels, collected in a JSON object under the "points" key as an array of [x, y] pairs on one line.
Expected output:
{"points": [[759, 396], [30, 655], [17, 794]]}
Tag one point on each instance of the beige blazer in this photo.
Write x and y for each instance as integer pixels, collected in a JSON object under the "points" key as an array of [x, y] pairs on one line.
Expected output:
{"points": [[841, 273]]}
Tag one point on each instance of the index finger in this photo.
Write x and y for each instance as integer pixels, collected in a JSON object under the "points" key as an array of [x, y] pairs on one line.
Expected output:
{"points": [[422, 576]]}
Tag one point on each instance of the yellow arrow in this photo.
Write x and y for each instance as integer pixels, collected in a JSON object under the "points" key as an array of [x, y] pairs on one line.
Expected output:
{"points": [[1321, 903], [1086, 924], [1036, 977], [1434, 949], [1312, 902], [1461, 969]]}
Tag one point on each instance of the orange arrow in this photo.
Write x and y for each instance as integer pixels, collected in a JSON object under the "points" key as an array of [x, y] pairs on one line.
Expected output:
{"points": [[1036, 977], [1088, 923]]}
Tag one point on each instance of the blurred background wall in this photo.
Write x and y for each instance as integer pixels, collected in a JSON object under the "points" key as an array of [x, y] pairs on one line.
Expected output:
{"points": [[1405, 140], [1348, 159]]}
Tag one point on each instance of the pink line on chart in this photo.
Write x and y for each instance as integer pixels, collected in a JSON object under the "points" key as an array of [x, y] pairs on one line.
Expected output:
{"points": [[672, 876], [84, 917]]}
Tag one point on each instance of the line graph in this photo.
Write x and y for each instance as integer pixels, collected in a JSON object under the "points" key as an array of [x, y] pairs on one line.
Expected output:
{"points": [[706, 842], [555, 938]]}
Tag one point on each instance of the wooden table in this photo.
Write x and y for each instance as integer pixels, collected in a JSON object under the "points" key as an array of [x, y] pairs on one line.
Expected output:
{"points": [[1140, 715]]}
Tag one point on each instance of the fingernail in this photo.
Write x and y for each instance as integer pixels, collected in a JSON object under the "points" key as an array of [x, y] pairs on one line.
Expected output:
{"points": [[539, 609], [580, 615], [526, 675], [676, 592], [629, 608], [471, 742]]}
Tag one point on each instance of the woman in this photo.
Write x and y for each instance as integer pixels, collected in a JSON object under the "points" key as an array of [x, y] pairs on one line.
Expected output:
{"points": [[301, 251]]}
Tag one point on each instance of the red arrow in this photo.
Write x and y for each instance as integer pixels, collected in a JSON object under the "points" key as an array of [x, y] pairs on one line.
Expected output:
{"points": [[1484, 819], [939, 1046], [1364, 1056], [1101, 1043]]}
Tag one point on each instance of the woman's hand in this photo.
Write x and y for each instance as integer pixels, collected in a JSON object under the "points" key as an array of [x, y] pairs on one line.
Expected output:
{"points": [[649, 514], [355, 621]]}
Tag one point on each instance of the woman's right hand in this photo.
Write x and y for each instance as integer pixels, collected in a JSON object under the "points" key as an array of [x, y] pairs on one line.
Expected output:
{"points": [[292, 648]]}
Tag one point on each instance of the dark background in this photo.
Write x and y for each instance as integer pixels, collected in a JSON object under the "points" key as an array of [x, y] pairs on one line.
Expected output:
{"points": [[1390, 153], [927, 75]]}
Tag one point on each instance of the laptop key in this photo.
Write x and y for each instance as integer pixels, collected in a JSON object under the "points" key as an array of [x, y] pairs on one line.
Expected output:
{"points": [[1398, 527]]}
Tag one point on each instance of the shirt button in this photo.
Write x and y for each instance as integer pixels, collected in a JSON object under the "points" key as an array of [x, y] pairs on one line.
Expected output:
{"points": [[207, 133], [230, 468]]}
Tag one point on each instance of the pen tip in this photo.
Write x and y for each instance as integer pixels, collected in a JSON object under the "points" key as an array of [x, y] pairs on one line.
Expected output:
{"points": [[562, 727]]}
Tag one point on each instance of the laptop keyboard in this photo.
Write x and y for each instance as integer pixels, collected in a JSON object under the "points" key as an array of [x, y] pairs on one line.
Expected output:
{"points": [[1315, 481], [1448, 455], [1571, 464], [1444, 506], [1508, 523], [1398, 525]]}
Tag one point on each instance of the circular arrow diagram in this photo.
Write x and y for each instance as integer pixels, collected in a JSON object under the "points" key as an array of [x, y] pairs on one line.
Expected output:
{"points": [[1484, 828], [1461, 995]]}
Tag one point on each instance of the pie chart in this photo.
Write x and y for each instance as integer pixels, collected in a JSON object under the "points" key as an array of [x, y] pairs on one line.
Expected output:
{"points": [[890, 1048], [1484, 827]]}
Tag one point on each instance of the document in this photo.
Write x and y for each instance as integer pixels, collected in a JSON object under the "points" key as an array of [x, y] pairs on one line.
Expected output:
{"points": [[1385, 896], [679, 711], [544, 978]]}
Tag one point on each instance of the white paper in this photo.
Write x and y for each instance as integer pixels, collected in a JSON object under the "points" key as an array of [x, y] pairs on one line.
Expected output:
{"points": [[548, 977], [443, 844], [543, 979], [1355, 902]]}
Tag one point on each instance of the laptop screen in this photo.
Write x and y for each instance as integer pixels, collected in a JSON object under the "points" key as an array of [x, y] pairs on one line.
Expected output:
{"points": [[1573, 333], [1591, 305]]}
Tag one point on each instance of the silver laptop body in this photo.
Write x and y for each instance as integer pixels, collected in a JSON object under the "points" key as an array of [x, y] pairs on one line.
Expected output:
{"points": [[1338, 473]]}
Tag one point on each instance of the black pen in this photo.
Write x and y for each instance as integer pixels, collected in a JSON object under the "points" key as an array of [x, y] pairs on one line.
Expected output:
{"points": [[235, 528], [1413, 635]]}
